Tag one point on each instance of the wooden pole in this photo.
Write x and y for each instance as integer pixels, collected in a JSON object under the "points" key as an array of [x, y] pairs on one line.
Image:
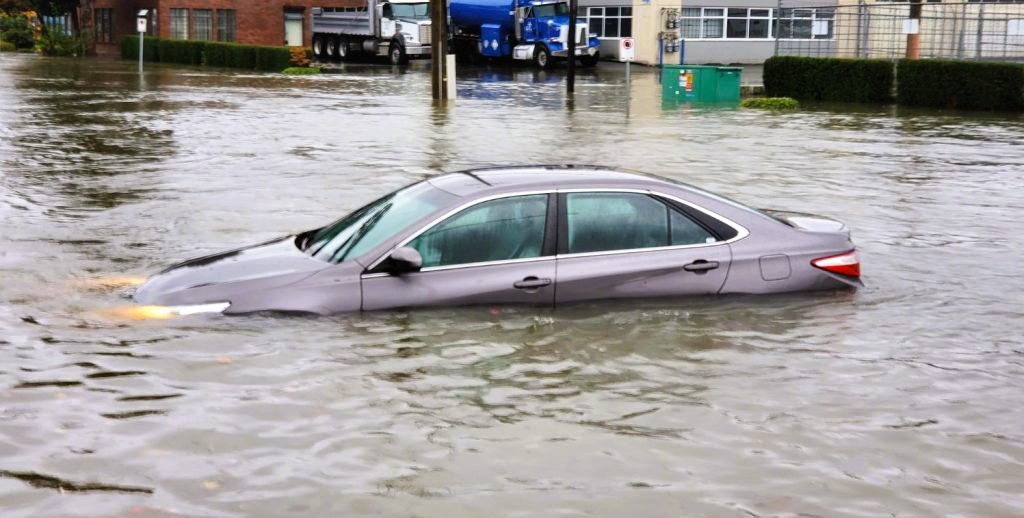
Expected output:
{"points": [[439, 49], [570, 83]]}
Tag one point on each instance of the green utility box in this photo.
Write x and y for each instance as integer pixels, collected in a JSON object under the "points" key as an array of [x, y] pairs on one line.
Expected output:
{"points": [[700, 83]]}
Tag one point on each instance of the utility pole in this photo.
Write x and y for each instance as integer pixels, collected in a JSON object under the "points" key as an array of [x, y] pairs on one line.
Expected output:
{"points": [[570, 83], [439, 73]]}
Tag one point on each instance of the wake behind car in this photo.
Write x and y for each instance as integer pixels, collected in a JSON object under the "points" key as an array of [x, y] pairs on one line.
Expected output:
{"points": [[542, 235]]}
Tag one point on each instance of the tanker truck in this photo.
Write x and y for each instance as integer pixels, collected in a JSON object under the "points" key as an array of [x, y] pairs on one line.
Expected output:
{"points": [[398, 29], [525, 30]]}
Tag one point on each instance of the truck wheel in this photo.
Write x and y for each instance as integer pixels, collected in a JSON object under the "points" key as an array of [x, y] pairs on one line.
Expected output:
{"points": [[332, 47], [318, 47], [343, 49], [541, 56], [397, 55], [590, 61]]}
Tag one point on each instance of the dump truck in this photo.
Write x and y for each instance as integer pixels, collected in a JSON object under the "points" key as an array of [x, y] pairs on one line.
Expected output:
{"points": [[398, 29]]}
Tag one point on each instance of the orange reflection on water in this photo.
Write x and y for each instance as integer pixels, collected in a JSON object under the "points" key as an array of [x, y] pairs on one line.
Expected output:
{"points": [[110, 283], [140, 312]]}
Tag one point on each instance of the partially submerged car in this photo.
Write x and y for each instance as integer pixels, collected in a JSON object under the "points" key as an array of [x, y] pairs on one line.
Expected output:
{"points": [[543, 235]]}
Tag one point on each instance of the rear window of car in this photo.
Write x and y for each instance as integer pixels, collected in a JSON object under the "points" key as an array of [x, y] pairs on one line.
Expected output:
{"points": [[604, 221]]}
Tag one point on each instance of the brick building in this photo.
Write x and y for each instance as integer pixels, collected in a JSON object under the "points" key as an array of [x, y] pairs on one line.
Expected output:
{"points": [[257, 22]]}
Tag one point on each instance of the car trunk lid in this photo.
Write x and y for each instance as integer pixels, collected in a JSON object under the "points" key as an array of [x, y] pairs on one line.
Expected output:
{"points": [[809, 222]]}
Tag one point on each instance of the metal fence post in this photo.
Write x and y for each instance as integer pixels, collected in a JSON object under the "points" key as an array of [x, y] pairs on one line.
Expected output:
{"points": [[981, 25], [864, 21], [778, 32], [963, 30]]}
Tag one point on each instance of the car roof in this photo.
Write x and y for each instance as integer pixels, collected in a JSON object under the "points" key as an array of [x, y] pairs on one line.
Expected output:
{"points": [[493, 180]]}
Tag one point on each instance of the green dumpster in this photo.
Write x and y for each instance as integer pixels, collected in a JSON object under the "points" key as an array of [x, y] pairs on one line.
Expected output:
{"points": [[728, 88], [700, 83]]}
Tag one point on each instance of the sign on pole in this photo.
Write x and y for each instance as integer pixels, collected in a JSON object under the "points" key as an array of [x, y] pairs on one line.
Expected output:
{"points": [[627, 53], [140, 26], [627, 49]]}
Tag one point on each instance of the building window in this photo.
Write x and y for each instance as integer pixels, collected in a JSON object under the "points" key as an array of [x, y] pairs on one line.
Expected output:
{"points": [[730, 23], [608, 22], [104, 25], [179, 24], [806, 24], [225, 25], [202, 24]]}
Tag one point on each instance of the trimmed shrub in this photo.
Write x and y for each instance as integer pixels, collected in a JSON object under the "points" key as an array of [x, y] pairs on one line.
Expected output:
{"points": [[770, 103], [211, 53], [273, 59], [181, 51], [6, 46], [130, 48], [216, 55], [829, 79], [961, 84]]}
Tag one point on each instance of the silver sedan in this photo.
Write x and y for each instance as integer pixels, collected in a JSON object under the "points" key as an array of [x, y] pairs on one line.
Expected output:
{"points": [[543, 235]]}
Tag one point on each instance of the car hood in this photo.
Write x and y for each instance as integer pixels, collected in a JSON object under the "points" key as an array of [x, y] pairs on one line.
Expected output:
{"points": [[217, 277]]}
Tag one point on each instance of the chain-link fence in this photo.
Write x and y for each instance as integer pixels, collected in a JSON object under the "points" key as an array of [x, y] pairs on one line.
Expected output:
{"points": [[970, 31]]}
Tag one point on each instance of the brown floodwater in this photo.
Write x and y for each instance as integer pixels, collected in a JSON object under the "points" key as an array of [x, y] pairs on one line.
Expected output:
{"points": [[906, 397]]}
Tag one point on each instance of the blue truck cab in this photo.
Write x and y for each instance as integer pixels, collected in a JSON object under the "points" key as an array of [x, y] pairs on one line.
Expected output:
{"points": [[524, 30]]}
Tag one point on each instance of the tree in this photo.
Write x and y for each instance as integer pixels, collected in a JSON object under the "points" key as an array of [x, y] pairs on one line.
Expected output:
{"points": [[16, 6], [56, 8]]}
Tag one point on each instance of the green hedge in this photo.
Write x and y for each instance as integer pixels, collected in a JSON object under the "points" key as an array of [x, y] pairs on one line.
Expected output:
{"points": [[211, 53], [961, 84], [829, 79]]}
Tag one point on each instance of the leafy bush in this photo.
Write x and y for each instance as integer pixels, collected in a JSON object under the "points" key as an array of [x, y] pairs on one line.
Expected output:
{"points": [[211, 53], [17, 30], [770, 103], [6, 46], [53, 43], [829, 79], [301, 71], [301, 57], [961, 84]]}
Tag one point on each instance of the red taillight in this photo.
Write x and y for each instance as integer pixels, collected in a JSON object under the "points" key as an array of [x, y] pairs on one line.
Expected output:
{"points": [[844, 264]]}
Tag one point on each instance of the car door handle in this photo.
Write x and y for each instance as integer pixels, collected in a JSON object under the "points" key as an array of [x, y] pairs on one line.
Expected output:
{"points": [[700, 265], [531, 283]]}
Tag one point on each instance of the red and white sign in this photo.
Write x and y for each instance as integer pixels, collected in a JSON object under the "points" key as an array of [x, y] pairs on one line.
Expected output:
{"points": [[627, 49]]}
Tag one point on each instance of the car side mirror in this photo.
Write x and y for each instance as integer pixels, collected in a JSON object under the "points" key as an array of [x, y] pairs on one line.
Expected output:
{"points": [[404, 259]]}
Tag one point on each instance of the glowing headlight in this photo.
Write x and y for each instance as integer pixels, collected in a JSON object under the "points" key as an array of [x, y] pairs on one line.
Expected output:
{"points": [[194, 309]]}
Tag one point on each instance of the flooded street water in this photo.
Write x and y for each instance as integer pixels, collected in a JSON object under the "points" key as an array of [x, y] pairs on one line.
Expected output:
{"points": [[906, 397]]}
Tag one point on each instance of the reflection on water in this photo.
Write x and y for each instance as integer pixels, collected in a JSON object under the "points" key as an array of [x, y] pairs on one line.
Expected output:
{"points": [[901, 398]]}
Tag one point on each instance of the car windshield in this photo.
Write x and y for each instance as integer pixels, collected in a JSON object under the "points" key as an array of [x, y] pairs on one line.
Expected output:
{"points": [[546, 10], [368, 227], [415, 11]]}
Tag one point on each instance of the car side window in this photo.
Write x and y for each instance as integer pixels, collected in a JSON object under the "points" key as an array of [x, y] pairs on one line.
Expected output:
{"points": [[685, 231], [602, 221], [496, 230]]}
